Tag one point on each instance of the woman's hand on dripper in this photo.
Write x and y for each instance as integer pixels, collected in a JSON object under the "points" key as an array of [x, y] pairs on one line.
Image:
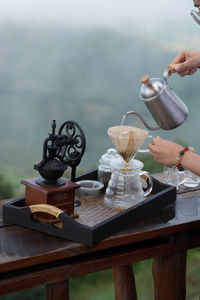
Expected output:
{"points": [[164, 151]]}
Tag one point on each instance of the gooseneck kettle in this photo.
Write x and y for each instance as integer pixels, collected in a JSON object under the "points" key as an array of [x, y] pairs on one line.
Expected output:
{"points": [[165, 106]]}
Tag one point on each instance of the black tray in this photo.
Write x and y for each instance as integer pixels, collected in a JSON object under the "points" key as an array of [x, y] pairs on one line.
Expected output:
{"points": [[16, 212]]}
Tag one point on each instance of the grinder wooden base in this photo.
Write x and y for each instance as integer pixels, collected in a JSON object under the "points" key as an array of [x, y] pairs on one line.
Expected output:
{"points": [[60, 196]]}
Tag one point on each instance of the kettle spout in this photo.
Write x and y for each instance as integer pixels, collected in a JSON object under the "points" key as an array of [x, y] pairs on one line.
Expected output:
{"points": [[141, 118]]}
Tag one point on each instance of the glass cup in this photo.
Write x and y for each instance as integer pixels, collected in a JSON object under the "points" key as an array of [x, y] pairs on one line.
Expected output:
{"points": [[173, 176], [191, 180]]}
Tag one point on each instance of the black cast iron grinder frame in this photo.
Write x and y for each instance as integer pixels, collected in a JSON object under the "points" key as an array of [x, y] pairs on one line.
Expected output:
{"points": [[60, 151]]}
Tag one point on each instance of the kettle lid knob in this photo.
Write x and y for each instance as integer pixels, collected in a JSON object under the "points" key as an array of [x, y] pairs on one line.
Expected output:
{"points": [[146, 80], [150, 88]]}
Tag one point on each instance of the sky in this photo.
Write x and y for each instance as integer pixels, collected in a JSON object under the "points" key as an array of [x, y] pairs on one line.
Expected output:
{"points": [[93, 11]]}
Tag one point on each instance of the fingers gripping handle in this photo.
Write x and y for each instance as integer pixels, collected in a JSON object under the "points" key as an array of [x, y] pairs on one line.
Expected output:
{"points": [[171, 69], [168, 71]]}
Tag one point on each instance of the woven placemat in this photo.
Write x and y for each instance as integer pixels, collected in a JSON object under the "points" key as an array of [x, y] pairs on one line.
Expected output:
{"points": [[92, 212]]}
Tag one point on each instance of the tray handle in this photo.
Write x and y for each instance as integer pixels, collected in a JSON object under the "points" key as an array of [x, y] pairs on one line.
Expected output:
{"points": [[46, 208]]}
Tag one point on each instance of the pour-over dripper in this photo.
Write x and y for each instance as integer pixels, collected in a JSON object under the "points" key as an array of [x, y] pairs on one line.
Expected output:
{"points": [[127, 140]]}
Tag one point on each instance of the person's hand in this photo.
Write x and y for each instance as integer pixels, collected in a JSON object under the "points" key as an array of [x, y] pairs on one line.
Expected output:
{"points": [[187, 62], [164, 151], [196, 3]]}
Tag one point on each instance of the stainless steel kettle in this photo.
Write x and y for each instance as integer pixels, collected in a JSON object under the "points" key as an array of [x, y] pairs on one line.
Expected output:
{"points": [[165, 106]]}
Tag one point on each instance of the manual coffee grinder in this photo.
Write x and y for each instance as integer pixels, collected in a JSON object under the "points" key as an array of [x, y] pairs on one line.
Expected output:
{"points": [[59, 151]]}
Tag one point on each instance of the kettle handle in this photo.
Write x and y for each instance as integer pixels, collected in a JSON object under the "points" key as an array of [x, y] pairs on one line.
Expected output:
{"points": [[168, 71], [141, 118]]}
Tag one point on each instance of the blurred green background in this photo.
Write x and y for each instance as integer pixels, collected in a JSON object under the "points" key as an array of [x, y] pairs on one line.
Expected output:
{"points": [[82, 60], [66, 63]]}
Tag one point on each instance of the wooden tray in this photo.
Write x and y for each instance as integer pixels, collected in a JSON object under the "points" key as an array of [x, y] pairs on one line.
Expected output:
{"points": [[96, 221]]}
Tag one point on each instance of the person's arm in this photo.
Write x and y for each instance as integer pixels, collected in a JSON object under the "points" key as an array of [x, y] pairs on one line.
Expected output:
{"points": [[191, 161], [186, 62], [166, 152]]}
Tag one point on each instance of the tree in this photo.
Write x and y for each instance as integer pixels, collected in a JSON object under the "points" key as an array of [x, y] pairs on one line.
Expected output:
{"points": [[6, 188]]}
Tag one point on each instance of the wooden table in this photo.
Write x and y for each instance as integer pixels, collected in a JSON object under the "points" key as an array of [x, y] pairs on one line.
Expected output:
{"points": [[29, 258]]}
